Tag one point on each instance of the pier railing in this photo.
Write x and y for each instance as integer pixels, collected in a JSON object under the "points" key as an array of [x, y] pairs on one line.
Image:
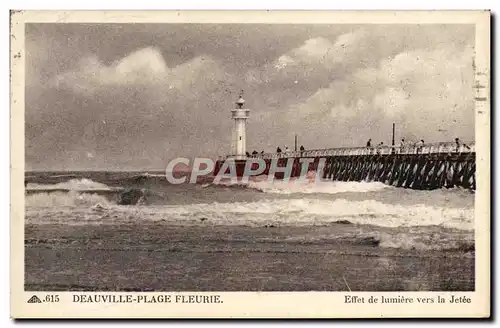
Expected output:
{"points": [[434, 148]]}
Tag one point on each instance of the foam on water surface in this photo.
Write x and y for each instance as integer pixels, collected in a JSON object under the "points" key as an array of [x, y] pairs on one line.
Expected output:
{"points": [[310, 184], [359, 213], [73, 184], [64, 199], [278, 211]]}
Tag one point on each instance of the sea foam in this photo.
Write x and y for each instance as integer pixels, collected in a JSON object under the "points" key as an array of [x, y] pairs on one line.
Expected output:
{"points": [[308, 185], [64, 199], [73, 184], [293, 212]]}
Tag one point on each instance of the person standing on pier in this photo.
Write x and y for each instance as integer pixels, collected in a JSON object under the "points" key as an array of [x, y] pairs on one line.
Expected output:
{"points": [[420, 146], [379, 146], [286, 149], [369, 145], [278, 150], [402, 146], [302, 150], [457, 143]]}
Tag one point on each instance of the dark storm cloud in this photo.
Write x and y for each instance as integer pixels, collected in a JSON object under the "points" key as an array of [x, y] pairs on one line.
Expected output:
{"points": [[132, 96]]}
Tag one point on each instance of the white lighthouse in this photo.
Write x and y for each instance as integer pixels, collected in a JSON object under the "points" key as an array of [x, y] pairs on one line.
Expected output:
{"points": [[240, 115]]}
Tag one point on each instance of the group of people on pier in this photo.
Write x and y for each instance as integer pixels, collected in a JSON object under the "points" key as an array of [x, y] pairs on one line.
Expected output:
{"points": [[254, 153], [278, 149], [404, 147], [377, 148], [408, 146]]}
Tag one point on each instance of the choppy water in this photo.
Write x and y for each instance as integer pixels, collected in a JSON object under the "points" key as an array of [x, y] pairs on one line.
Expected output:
{"points": [[361, 212]]}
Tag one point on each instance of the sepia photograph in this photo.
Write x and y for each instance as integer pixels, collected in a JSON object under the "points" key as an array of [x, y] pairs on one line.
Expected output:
{"points": [[253, 157]]}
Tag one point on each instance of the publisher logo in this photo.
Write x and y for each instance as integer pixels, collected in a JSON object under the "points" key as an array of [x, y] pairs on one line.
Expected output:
{"points": [[34, 299]]}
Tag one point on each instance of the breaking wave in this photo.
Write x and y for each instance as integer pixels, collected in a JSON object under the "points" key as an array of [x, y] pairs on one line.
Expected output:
{"points": [[322, 187], [292, 212], [64, 199], [423, 240], [306, 186], [427, 241], [322, 211], [73, 184]]}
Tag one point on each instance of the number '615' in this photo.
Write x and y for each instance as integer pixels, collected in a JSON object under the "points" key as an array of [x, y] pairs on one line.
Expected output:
{"points": [[52, 298]]}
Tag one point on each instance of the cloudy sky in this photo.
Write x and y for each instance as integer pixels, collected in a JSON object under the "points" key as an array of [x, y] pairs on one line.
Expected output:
{"points": [[134, 96]]}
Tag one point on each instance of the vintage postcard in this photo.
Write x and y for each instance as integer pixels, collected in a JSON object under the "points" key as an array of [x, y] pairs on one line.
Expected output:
{"points": [[250, 164]]}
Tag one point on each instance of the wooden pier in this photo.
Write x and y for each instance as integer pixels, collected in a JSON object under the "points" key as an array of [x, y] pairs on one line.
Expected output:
{"points": [[415, 171], [440, 165]]}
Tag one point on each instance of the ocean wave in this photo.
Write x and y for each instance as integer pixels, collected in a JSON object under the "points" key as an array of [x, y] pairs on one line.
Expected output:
{"points": [[64, 199], [300, 212], [322, 211], [321, 187], [308, 185], [427, 241], [73, 184], [422, 240]]}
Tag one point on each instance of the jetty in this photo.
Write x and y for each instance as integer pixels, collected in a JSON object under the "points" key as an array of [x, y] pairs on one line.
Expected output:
{"points": [[431, 166]]}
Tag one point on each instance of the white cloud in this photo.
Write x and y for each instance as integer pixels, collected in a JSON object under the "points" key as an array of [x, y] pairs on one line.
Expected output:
{"points": [[142, 67], [317, 62], [313, 50], [283, 62], [325, 53], [422, 90], [148, 61]]}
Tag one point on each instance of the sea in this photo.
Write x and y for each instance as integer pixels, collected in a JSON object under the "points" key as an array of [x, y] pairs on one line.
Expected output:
{"points": [[365, 212]]}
